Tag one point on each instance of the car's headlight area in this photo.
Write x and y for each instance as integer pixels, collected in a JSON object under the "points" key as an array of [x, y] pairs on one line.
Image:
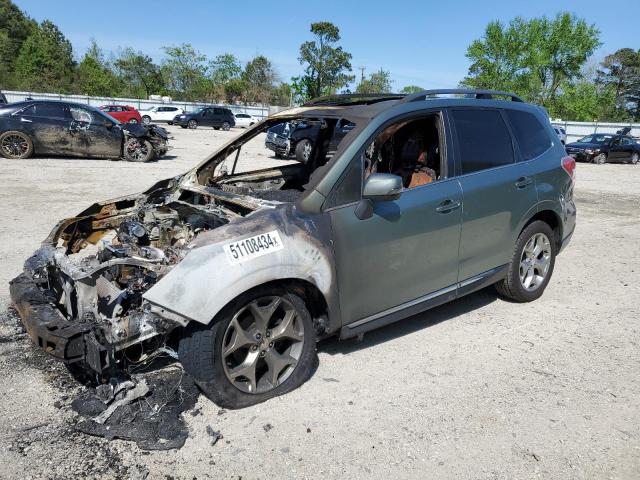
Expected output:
{"points": [[591, 151]]}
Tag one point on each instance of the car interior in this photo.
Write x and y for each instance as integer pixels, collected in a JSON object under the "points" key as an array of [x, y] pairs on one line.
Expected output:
{"points": [[409, 149]]}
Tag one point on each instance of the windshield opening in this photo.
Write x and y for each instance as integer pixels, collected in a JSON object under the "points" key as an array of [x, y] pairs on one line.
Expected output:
{"points": [[280, 156]]}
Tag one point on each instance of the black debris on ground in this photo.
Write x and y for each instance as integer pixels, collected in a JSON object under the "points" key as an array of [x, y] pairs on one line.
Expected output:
{"points": [[151, 417], [214, 434]]}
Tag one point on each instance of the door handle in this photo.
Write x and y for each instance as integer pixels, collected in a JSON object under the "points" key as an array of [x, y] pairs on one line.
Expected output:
{"points": [[523, 182], [448, 206], [26, 120]]}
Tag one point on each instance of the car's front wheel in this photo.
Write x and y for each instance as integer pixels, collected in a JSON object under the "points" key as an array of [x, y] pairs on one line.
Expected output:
{"points": [[304, 150], [133, 120], [263, 344], [600, 159], [192, 124], [138, 150], [532, 264], [16, 145], [146, 119], [635, 158]]}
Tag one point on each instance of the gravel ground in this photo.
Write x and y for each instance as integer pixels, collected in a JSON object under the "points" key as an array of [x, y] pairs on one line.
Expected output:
{"points": [[479, 388]]}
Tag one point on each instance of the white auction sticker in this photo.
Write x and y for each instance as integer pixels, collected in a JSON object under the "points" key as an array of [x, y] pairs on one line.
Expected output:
{"points": [[253, 247]]}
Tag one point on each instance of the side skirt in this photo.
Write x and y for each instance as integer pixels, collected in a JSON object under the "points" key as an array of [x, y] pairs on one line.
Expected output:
{"points": [[424, 303]]}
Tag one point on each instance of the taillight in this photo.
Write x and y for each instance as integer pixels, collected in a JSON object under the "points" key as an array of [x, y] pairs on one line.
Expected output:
{"points": [[569, 166]]}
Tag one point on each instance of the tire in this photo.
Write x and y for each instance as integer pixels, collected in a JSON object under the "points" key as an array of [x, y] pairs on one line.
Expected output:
{"points": [[137, 150], [226, 126], [169, 123], [132, 120], [146, 119], [304, 151], [192, 124], [635, 158], [15, 145], [512, 287], [183, 126], [216, 128], [600, 159], [200, 349]]}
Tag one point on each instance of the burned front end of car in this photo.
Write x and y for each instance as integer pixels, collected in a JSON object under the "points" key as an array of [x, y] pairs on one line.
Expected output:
{"points": [[80, 295]]}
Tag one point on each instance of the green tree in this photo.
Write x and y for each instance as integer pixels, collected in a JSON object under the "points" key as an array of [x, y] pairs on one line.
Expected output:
{"points": [[531, 57], [185, 70], [45, 61], [139, 75], [94, 77], [585, 101], [235, 91], [222, 70], [326, 64], [259, 77], [621, 72], [411, 89], [378, 82], [281, 95], [15, 27]]}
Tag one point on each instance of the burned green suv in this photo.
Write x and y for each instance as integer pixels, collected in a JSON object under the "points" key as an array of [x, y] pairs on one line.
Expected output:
{"points": [[241, 264]]}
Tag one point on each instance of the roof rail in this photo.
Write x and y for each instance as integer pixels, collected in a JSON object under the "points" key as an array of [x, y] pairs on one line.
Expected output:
{"points": [[347, 98], [469, 92]]}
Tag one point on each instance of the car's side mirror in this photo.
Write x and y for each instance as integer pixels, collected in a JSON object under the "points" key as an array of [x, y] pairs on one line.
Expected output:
{"points": [[378, 187], [382, 186]]}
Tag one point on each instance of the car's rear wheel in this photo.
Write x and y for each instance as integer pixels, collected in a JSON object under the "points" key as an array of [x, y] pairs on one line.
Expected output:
{"points": [[260, 346], [16, 145], [600, 159], [138, 150], [226, 126], [532, 264], [304, 150], [635, 158], [133, 120], [192, 124], [146, 119]]}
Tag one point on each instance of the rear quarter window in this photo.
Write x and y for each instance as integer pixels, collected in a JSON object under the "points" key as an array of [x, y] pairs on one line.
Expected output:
{"points": [[483, 138], [530, 134]]}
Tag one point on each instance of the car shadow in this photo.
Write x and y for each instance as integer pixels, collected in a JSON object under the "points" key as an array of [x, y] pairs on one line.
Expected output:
{"points": [[466, 304]]}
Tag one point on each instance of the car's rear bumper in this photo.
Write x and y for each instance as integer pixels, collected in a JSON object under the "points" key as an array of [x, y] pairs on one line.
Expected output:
{"points": [[70, 342]]}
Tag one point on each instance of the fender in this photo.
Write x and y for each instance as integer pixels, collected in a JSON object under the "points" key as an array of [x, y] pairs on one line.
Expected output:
{"points": [[207, 278]]}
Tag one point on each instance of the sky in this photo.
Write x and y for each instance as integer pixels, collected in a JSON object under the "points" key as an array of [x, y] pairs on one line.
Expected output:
{"points": [[420, 42]]}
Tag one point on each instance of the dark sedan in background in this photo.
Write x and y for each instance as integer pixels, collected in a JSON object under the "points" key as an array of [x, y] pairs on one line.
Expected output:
{"points": [[605, 147], [71, 129]]}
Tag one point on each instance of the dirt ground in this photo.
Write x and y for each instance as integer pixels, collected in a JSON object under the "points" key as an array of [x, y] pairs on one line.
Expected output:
{"points": [[479, 388]]}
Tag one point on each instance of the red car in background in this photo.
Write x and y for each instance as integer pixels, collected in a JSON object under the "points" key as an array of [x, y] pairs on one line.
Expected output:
{"points": [[122, 113]]}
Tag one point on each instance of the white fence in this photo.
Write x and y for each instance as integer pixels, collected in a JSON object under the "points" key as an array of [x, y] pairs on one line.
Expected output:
{"points": [[577, 130], [259, 112]]}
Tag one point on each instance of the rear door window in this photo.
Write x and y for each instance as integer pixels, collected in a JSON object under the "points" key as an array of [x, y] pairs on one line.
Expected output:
{"points": [[46, 110], [531, 136], [483, 139]]}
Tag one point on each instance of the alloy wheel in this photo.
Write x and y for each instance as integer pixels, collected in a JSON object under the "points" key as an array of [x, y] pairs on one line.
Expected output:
{"points": [[192, 124], [306, 151], [137, 150], [635, 158], [535, 261], [262, 344], [14, 145]]}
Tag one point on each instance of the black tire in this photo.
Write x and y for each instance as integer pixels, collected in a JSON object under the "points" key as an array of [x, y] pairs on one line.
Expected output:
{"points": [[511, 287], [138, 150], [600, 159], [226, 126], [133, 120], [304, 151], [192, 124], [169, 123], [183, 126], [635, 158], [146, 119], [216, 128], [200, 350], [15, 145]]}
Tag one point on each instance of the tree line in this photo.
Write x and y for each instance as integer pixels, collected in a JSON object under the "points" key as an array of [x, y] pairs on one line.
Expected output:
{"points": [[544, 60]]}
